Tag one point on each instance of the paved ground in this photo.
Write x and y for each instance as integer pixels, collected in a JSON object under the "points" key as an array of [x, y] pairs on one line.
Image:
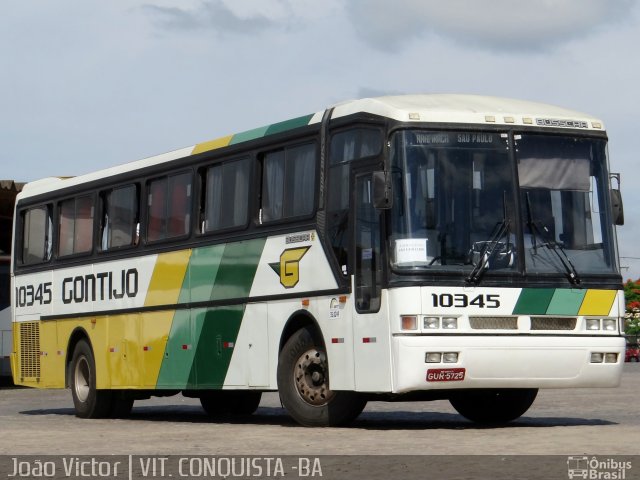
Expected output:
{"points": [[561, 422]]}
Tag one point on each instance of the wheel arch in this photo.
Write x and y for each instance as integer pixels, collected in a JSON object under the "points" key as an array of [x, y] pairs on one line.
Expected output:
{"points": [[78, 334], [300, 319]]}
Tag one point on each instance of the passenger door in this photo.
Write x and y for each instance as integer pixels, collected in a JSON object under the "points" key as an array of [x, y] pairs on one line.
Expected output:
{"points": [[370, 324]]}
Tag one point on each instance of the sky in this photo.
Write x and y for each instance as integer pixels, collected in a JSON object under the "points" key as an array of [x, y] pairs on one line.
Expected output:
{"points": [[87, 84]]}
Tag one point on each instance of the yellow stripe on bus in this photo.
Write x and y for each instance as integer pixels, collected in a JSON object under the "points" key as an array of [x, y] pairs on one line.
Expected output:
{"points": [[597, 302], [211, 145], [167, 278]]}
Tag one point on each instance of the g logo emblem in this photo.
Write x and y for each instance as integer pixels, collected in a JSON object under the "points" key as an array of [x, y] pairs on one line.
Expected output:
{"points": [[289, 266]]}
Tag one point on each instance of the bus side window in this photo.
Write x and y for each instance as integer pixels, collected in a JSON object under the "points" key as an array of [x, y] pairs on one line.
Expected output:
{"points": [[75, 225], [120, 217], [36, 235], [169, 207], [226, 200], [288, 183], [346, 146], [354, 144]]}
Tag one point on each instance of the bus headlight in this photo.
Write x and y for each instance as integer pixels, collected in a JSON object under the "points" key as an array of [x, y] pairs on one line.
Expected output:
{"points": [[609, 324], [433, 357], [431, 323], [610, 358], [450, 357], [449, 323], [593, 323]]}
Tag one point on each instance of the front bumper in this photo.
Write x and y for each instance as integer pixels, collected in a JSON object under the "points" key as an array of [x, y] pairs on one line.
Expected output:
{"points": [[509, 361]]}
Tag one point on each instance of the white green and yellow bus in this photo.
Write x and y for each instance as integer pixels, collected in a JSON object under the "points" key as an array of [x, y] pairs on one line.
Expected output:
{"points": [[398, 248]]}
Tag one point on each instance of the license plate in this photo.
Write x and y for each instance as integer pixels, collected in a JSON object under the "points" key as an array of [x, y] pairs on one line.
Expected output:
{"points": [[445, 374]]}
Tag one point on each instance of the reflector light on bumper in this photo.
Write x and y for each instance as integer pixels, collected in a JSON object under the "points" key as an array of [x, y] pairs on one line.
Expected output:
{"points": [[441, 357], [601, 357]]}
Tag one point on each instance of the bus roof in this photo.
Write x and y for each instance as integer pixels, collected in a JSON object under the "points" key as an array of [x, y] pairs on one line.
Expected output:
{"points": [[432, 108]]}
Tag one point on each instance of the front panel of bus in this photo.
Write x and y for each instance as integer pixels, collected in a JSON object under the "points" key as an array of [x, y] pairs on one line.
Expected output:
{"points": [[500, 260]]}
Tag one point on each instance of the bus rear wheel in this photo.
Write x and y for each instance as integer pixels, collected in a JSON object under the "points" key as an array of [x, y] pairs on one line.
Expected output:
{"points": [[494, 406], [89, 402], [225, 402], [303, 383]]}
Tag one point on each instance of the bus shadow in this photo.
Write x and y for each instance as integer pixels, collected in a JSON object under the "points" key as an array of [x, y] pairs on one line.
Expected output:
{"points": [[277, 416]]}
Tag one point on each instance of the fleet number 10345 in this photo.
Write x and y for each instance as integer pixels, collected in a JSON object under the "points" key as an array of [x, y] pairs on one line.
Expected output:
{"points": [[462, 300], [28, 295]]}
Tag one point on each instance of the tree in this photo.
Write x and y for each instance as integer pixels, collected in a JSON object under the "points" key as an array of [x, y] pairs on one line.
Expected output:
{"points": [[632, 301]]}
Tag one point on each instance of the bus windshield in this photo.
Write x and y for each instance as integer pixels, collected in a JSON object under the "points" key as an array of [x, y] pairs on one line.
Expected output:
{"points": [[563, 182], [454, 205]]}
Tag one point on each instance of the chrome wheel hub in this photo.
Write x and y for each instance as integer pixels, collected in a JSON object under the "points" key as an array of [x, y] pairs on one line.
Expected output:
{"points": [[311, 379], [81, 379]]}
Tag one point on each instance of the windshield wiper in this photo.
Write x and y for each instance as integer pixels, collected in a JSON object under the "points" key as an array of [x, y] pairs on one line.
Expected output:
{"points": [[539, 228], [492, 247]]}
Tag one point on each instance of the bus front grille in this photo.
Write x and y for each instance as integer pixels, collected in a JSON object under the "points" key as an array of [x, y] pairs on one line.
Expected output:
{"points": [[493, 323], [553, 323], [30, 350]]}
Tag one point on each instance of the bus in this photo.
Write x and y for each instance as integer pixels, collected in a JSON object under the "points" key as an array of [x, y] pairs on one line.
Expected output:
{"points": [[8, 191], [413, 247]]}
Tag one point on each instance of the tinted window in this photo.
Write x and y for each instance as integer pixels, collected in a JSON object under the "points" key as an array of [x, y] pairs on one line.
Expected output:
{"points": [[169, 201], [75, 226], [288, 183], [36, 235], [120, 217], [354, 144], [226, 195]]}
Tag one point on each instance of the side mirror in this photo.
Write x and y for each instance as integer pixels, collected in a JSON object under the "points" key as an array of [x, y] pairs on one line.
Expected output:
{"points": [[382, 196], [617, 209]]}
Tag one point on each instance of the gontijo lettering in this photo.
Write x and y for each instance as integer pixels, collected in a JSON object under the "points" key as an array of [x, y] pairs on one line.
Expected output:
{"points": [[100, 286]]}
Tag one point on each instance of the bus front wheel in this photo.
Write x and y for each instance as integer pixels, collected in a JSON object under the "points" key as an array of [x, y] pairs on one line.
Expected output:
{"points": [[89, 402], [303, 384], [493, 406]]}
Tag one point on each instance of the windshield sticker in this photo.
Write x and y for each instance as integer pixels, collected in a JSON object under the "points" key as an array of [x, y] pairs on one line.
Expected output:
{"points": [[411, 250]]}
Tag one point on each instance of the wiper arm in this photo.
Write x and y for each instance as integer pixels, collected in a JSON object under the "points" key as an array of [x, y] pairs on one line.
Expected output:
{"points": [[490, 247], [551, 244]]}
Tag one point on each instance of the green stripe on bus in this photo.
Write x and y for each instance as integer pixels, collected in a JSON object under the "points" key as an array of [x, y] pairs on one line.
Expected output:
{"points": [[203, 269], [200, 343], [289, 124], [249, 135], [533, 301], [237, 269], [566, 302], [179, 353], [219, 329], [271, 129]]}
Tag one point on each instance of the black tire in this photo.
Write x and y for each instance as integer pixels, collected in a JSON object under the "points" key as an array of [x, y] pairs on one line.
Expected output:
{"points": [[303, 384], [493, 406], [230, 402], [87, 400]]}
